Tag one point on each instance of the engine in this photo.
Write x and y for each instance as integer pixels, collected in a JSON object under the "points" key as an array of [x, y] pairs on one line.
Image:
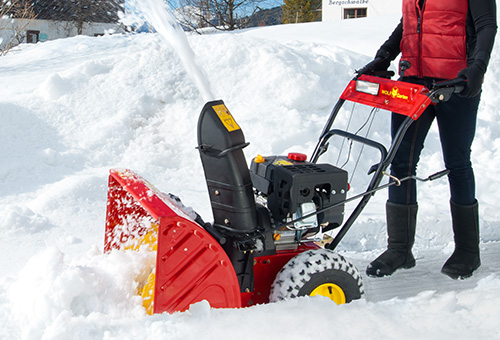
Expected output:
{"points": [[295, 188]]}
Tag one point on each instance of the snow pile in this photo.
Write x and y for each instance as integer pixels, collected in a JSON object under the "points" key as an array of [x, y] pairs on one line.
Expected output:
{"points": [[51, 293], [72, 109]]}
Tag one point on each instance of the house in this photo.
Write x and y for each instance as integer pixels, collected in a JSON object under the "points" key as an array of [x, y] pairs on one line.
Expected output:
{"points": [[55, 19], [43, 30], [333, 10]]}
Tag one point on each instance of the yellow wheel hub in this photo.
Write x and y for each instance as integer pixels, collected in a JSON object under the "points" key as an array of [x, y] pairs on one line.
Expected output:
{"points": [[330, 290]]}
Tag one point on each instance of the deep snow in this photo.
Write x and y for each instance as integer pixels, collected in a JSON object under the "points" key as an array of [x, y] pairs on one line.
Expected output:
{"points": [[72, 109]]}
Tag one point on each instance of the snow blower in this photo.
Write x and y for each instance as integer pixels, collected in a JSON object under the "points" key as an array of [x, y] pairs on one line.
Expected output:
{"points": [[260, 247]]}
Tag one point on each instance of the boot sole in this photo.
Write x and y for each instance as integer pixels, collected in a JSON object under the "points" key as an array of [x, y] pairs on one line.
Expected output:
{"points": [[409, 264], [456, 276], [378, 274]]}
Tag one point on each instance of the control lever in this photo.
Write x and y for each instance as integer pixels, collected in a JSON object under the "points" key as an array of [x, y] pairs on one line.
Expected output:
{"points": [[403, 66]]}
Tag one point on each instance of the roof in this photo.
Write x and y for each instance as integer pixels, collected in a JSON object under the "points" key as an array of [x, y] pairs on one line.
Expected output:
{"points": [[105, 11]]}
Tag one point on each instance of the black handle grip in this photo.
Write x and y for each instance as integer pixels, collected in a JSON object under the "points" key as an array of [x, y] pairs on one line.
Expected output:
{"points": [[438, 175], [369, 67], [458, 84], [442, 91]]}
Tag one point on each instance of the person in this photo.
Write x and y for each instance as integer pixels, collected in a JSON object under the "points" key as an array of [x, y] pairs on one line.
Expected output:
{"points": [[438, 40]]}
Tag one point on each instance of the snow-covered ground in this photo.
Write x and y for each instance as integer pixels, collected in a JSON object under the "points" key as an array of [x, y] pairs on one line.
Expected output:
{"points": [[72, 109]]}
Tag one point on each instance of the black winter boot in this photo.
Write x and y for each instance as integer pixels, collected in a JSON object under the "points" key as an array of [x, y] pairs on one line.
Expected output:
{"points": [[465, 259], [401, 225]]}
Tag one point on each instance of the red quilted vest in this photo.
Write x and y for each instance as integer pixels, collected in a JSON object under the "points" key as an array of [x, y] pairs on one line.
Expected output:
{"points": [[434, 37]]}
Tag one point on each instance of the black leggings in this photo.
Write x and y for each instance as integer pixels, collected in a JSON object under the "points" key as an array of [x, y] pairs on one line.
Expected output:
{"points": [[456, 120]]}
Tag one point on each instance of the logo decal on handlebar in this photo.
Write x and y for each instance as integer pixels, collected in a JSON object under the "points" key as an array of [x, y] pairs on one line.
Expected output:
{"points": [[394, 93]]}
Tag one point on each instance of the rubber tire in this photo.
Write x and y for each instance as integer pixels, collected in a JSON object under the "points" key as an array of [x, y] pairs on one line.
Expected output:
{"points": [[312, 268]]}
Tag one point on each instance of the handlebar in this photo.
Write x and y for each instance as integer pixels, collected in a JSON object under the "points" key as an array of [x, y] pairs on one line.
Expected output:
{"points": [[368, 68], [441, 91], [457, 83]]}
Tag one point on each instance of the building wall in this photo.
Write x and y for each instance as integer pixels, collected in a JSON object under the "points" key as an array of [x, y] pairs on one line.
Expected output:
{"points": [[334, 10], [49, 29]]}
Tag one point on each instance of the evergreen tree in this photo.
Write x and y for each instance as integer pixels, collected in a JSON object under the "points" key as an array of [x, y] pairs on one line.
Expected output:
{"points": [[295, 11]]}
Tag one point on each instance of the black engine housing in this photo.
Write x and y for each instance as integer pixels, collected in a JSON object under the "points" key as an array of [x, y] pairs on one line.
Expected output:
{"points": [[289, 181]]}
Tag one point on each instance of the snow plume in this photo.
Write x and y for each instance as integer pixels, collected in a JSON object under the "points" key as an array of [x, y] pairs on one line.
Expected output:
{"points": [[158, 14]]}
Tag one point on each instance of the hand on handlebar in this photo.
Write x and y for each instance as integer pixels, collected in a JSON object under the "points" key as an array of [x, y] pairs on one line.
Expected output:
{"points": [[378, 66], [442, 91], [474, 76]]}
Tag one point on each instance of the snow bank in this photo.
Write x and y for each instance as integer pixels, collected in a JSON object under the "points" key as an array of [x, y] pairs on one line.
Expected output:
{"points": [[94, 299]]}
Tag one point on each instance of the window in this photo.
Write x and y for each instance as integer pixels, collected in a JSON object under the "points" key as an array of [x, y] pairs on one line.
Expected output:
{"points": [[351, 13], [32, 37]]}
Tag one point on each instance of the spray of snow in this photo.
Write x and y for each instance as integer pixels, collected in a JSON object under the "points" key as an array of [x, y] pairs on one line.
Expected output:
{"points": [[158, 14]]}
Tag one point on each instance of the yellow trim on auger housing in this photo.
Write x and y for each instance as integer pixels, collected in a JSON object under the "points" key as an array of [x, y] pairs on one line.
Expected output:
{"points": [[150, 239], [332, 291], [147, 291]]}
